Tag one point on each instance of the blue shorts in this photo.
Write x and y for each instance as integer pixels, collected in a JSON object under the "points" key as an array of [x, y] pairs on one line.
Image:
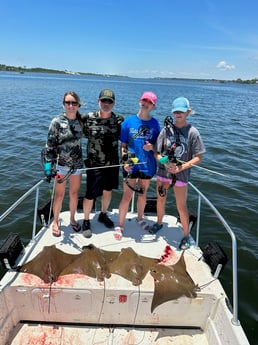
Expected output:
{"points": [[62, 170]]}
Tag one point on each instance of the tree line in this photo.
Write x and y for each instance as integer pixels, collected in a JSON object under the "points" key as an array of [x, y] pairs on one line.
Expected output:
{"points": [[24, 69]]}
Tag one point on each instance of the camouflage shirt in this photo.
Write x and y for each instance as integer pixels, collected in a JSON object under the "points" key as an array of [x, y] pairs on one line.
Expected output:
{"points": [[102, 135], [65, 135]]}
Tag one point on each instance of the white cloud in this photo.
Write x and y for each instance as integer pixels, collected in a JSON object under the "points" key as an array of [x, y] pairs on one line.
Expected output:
{"points": [[224, 66]]}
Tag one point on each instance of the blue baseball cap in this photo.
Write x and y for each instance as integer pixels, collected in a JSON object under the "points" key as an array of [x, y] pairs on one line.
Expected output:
{"points": [[180, 104]]}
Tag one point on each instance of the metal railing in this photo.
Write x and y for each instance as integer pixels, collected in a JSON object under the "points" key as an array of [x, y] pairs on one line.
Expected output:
{"points": [[21, 199], [201, 197]]}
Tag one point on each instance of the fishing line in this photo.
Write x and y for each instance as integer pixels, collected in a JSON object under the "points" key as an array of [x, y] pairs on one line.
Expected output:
{"points": [[101, 309], [50, 286], [206, 284], [137, 306], [103, 301]]}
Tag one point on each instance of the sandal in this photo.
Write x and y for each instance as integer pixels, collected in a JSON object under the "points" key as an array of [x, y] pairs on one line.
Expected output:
{"points": [[118, 234], [56, 231], [155, 228], [143, 224], [185, 243], [76, 227]]}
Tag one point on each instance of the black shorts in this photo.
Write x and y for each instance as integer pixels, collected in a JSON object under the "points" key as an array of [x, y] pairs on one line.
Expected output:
{"points": [[137, 174], [101, 179]]}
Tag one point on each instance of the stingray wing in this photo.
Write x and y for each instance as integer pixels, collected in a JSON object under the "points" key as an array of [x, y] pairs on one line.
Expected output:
{"points": [[131, 266], [48, 264], [171, 282]]}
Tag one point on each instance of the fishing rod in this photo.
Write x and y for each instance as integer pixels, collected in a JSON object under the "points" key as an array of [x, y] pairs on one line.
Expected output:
{"points": [[52, 195], [48, 163], [111, 166], [197, 166]]}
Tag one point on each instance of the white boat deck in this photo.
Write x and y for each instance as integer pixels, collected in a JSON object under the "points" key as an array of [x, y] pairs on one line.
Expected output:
{"points": [[79, 310], [141, 241]]}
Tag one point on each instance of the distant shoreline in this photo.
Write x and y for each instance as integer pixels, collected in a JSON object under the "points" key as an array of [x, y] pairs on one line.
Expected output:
{"points": [[6, 68]]}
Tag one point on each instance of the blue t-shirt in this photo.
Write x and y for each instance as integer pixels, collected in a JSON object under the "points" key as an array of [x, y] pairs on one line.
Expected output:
{"points": [[135, 132]]}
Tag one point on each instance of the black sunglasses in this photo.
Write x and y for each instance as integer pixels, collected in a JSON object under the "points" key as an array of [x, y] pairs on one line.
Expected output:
{"points": [[107, 100], [71, 103]]}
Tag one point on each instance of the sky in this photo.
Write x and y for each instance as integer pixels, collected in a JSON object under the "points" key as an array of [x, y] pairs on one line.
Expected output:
{"points": [[203, 39]]}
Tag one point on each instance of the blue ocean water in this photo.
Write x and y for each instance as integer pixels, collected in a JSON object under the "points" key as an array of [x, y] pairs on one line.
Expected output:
{"points": [[226, 116]]}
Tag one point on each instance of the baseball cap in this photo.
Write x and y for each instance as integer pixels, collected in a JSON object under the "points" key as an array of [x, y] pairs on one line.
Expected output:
{"points": [[180, 104], [107, 94], [150, 96]]}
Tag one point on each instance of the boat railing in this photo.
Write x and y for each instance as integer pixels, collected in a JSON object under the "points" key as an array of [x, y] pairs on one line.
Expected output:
{"points": [[201, 197], [21, 199]]}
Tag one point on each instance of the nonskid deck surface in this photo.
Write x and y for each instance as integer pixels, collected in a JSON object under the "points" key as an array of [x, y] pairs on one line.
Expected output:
{"points": [[134, 235], [27, 334]]}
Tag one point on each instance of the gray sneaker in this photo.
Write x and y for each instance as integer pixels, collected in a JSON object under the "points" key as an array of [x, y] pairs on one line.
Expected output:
{"points": [[86, 228]]}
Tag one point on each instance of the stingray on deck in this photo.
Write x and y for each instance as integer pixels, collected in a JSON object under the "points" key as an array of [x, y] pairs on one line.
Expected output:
{"points": [[131, 266], [170, 282], [51, 263]]}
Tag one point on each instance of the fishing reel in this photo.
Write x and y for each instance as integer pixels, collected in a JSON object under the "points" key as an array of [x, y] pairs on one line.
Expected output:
{"points": [[172, 156], [129, 158], [48, 162]]}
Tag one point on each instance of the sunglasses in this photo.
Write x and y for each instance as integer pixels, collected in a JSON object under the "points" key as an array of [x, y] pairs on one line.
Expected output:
{"points": [[106, 100], [73, 103]]}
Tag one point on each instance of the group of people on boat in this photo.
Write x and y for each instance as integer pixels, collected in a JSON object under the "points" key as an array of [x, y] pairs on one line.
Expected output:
{"points": [[135, 143]]}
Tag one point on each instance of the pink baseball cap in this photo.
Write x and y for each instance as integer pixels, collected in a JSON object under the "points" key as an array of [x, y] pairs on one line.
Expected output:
{"points": [[150, 96]]}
